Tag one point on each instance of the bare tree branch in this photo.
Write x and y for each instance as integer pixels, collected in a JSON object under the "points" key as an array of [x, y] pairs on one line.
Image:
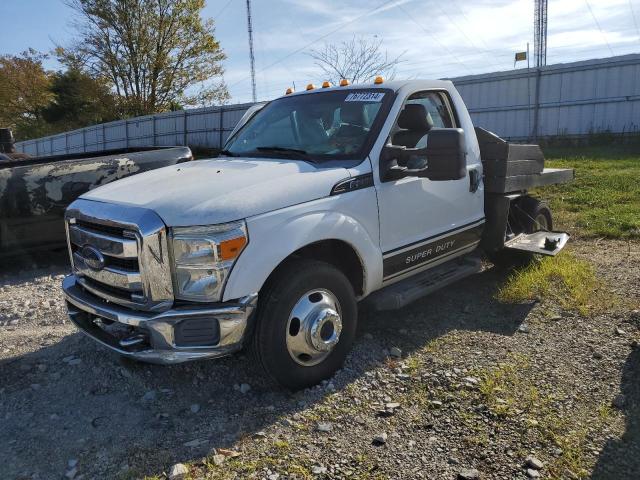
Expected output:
{"points": [[358, 60]]}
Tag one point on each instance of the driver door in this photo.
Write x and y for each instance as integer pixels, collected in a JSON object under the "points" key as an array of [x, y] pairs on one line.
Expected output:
{"points": [[425, 222]]}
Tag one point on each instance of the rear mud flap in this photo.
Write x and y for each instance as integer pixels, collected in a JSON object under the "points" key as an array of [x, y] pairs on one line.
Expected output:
{"points": [[544, 243]]}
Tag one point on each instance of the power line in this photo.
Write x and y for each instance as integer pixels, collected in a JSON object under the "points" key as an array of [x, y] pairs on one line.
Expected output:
{"points": [[304, 47], [604, 37], [221, 11], [412, 18]]}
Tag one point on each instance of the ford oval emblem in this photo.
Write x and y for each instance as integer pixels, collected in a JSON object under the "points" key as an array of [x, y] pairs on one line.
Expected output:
{"points": [[92, 257]]}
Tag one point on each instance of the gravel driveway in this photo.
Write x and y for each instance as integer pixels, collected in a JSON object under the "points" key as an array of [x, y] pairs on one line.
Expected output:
{"points": [[453, 386]]}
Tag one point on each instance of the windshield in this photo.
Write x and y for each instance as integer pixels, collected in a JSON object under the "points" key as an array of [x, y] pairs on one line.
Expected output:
{"points": [[321, 126]]}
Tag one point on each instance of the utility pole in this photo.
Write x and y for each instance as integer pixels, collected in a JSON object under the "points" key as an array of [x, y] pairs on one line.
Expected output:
{"points": [[540, 32], [251, 56], [540, 49]]}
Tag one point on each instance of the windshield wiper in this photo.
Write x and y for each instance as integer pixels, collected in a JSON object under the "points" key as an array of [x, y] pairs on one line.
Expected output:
{"points": [[302, 154], [227, 153]]}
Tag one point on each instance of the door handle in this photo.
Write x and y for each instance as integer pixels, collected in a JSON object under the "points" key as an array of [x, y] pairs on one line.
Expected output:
{"points": [[474, 180]]}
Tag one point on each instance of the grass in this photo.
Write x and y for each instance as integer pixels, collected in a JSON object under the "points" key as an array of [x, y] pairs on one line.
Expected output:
{"points": [[604, 199], [506, 390], [565, 279]]}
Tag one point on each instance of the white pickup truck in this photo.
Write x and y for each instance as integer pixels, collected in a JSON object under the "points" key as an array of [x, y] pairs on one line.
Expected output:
{"points": [[321, 199]]}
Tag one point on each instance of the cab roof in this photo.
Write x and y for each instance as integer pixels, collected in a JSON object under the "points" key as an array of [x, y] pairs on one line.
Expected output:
{"points": [[395, 85]]}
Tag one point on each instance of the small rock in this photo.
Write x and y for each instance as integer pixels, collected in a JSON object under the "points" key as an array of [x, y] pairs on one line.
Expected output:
{"points": [[620, 331], [274, 476], [318, 470], [35, 386], [195, 408], [72, 463], [531, 473], [468, 474], [71, 473], [244, 388], [324, 427], [178, 471], [619, 401], [195, 443], [597, 355], [380, 439], [74, 361], [395, 352], [524, 328], [150, 396], [533, 462], [392, 405], [218, 459]]}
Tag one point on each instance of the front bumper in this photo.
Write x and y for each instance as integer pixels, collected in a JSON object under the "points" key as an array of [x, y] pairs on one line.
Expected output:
{"points": [[157, 337]]}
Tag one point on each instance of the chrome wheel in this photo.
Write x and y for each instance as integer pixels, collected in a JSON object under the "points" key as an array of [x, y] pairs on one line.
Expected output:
{"points": [[314, 327]]}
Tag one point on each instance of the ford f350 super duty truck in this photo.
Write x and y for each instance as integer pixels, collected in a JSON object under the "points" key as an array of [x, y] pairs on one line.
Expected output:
{"points": [[321, 199]]}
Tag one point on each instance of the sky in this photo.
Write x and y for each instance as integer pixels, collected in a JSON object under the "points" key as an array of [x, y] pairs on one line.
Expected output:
{"points": [[435, 38]]}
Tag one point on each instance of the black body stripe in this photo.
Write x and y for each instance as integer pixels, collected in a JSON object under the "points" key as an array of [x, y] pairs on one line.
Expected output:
{"points": [[434, 236], [429, 252]]}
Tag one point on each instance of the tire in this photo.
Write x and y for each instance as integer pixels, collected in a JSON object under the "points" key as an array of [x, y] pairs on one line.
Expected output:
{"points": [[527, 215], [283, 344]]}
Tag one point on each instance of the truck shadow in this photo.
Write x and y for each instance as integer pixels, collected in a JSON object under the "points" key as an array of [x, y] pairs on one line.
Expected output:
{"points": [[620, 458], [114, 416]]}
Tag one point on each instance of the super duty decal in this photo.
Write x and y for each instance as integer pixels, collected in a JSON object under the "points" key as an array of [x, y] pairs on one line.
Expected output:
{"points": [[410, 258]]}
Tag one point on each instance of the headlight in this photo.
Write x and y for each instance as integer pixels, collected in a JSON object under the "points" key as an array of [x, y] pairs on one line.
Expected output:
{"points": [[203, 257]]}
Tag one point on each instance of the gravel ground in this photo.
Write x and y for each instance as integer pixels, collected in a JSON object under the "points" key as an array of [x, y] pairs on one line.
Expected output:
{"points": [[454, 386]]}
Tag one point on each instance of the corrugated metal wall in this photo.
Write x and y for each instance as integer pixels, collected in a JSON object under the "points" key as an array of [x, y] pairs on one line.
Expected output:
{"points": [[574, 99], [201, 127]]}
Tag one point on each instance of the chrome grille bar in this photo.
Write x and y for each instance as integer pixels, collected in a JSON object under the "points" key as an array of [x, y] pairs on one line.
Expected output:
{"points": [[134, 269], [107, 244]]}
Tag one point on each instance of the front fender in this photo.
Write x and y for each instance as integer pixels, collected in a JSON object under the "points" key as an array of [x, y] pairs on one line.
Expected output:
{"points": [[351, 217]]}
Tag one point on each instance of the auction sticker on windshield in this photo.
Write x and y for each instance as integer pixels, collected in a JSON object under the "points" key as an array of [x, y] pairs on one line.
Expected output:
{"points": [[365, 97]]}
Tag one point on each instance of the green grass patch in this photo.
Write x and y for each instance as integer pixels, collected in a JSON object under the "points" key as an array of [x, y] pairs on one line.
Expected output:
{"points": [[604, 199], [565, 279]]}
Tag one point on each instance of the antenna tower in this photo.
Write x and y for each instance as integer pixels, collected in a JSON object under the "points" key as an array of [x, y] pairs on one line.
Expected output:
{"points": [[540, 32], [251, 56]]}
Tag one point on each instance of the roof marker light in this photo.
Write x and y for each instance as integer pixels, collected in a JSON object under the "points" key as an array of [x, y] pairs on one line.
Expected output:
{"points": [[344, 82], [378, 80], [311, 86], [289, 91], [326, 84]]}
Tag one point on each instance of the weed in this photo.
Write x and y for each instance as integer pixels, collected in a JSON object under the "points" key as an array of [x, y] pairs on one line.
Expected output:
{"points": [[569, 281]]}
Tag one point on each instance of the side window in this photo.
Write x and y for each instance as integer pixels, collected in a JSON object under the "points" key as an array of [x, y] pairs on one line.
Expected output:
{"points": [[436, 105], [412, 128]]}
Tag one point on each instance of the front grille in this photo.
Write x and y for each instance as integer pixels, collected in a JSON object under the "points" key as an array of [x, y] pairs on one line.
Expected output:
{"points": [[119, 279], [119, 254]]}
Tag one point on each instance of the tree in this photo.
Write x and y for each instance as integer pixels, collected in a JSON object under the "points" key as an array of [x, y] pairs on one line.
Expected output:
{"points": [[357, 60], [24, 93], [79, 100], [155, 53]]}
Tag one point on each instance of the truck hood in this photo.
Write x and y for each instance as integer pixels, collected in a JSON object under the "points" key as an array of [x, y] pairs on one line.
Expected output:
{"points": [[206, 192]]}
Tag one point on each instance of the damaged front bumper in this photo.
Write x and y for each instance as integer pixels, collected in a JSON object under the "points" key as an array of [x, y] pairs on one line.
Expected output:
{"points": [[177, 335]]}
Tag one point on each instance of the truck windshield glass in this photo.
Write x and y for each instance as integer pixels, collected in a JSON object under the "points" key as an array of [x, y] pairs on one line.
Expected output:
{"points": [[320, 126]]}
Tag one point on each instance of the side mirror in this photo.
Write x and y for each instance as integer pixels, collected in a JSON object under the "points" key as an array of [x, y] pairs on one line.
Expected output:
{"points": [[444, 158]]}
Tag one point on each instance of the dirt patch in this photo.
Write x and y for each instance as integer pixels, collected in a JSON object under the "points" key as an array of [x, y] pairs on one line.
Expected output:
{"points": [[478, 385]]}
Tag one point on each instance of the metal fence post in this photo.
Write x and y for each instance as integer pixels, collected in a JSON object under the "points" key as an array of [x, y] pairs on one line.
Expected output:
{"points": [[221, 126], [126, 134], [184, 127], [104, 139], [153, 129], [84, 140]]}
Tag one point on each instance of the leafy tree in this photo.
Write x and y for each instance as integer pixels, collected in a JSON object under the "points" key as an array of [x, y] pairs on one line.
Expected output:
{"points": [[24, 93], [155, 53], [79, 100], [357, 60]]}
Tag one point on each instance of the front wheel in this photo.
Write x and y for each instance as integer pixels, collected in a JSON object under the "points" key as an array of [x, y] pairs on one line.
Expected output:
{"points": [[306, 323]]}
